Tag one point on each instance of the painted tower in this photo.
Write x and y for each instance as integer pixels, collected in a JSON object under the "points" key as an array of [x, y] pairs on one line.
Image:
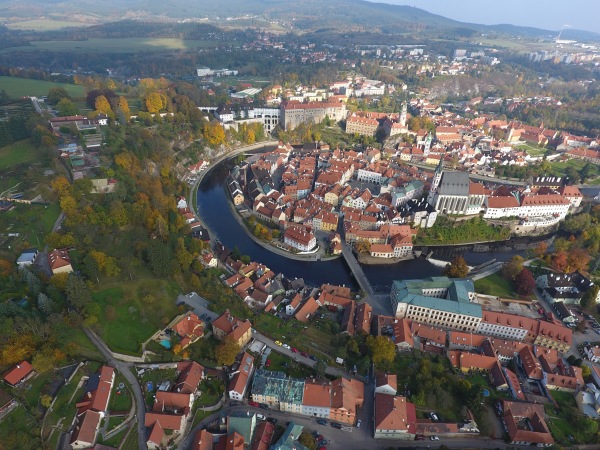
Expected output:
{"points": [[437, 176]]}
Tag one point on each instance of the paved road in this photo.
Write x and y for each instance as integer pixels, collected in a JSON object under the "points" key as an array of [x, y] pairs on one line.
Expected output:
{"points": [[124, 368], [357, 439]]}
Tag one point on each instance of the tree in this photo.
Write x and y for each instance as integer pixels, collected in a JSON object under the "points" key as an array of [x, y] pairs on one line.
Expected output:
{"points": [[227, 351], [588, 302], [586, 372], [123, 107], [320, 368], [512, 267], [78, 293], [559, 261], [540, 250], [382, 349], [363, 246], [524, 282], [56, 94], [66, 108], [457, 268], [45, 400], [45, 304], [102, 106], [577, 259], [155, 102], [307, 440]]}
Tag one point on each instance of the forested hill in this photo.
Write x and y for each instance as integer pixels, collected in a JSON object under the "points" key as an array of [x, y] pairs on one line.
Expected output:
{"points": [[305, 15]]}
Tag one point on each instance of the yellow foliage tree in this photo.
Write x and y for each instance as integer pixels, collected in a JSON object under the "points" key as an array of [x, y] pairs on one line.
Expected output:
{"points": [[123, 106], [61, 185], [155, 102], [103, 106]]}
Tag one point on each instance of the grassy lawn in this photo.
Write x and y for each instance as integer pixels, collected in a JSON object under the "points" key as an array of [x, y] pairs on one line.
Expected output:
{"points": [[199, 416], [565, 419], [19, 152], [156, 377], [116, 439], [114, 422], [532, 150], [134, 310], [495, 284], [17, 87], [32, 222], [212, 390], [120, 45], [131, 443], [120, 399], [559, 167], [32, 390]]}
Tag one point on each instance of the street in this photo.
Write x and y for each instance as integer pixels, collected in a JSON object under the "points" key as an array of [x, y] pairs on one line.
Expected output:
{"points": [[124, 369], [357, 439]]}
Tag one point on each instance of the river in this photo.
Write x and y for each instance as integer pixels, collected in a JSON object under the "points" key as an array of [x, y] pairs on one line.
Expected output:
{"points": [[213, 207]]}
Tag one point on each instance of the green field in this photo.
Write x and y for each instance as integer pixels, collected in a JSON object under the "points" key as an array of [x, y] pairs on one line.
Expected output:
{"points": [[128, 320], [24, 87], [19, 152], [45, 25], [108, 45], [495, 284], [32, 222]]}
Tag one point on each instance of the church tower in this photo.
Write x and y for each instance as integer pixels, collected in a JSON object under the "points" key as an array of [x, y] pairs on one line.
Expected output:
{"points": [[435, 182], [403, 115]]}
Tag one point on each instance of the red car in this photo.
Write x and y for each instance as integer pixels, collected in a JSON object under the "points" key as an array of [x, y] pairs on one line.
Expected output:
{"points": [[268, 363], [255, 404], [294, 350], [304, 354]]}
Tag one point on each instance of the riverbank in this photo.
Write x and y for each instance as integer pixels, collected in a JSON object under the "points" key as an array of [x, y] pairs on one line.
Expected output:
{"points": [[271, 247], [369, 260]]}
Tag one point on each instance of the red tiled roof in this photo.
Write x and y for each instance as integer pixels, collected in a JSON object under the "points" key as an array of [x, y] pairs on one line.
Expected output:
{"points": [[18, 372]]}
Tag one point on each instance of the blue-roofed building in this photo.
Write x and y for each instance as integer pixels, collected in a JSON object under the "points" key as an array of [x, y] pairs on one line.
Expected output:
{"points": [[278, 391], [439, 301], [289, 439], [242, 423], [27, 258]]}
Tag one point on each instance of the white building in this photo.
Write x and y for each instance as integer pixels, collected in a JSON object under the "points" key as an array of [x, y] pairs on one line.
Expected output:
{"points": [[300, 239]]}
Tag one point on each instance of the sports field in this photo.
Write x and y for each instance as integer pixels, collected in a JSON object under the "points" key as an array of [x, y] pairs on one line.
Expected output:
{"points": [[126, 45], [23, 87]]}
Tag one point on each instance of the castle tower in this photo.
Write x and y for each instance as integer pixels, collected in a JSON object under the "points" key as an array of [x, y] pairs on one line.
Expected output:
{"points": [[403, 116]]}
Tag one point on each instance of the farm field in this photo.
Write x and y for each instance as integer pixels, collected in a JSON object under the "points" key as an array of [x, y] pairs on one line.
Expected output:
{"points": [[45, 25], [17, 87], [108, 45]]}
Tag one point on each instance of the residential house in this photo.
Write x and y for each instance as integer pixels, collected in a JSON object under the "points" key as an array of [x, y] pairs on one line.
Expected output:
{"points": [[59, 261], [395, 417], [190, 328], [226, 325], [386, 383], [19, 373], [525, 424], [27, 257], [238, 383]]}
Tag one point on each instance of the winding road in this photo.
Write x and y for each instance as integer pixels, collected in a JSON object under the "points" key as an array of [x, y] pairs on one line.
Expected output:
{"points": [[125, 369]]}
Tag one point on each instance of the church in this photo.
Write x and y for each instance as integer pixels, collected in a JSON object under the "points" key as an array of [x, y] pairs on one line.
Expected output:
{"points": [[452, 192]]}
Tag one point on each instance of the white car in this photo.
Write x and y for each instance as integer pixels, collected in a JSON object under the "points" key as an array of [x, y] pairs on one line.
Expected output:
{"points": [[358, 423], [435, 438], [287, 347]]}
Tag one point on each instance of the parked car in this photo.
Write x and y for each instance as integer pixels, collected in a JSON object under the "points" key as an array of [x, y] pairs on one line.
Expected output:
{"points": [[254, 404], [294, 350], [358, 423], [321, 421], [287, 347], [278, 343], [263, 406], [433, 417], [314, 358], [434, 438], [260, 417], [273, 420], [336, 425], [419, 437], [322, 442], [319, 437], [304, 354], [268, 363]]}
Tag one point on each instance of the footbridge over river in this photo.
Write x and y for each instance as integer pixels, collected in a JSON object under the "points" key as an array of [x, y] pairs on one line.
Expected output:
{"points": [[357, 271]]}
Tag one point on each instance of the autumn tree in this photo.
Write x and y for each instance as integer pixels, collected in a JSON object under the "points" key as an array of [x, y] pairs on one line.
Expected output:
{"points": [[382, 349], [214, 134], [227, 351], [102, 106], [512, 267], [363, 246], [524, 282], [541, 250], [457, 268], [577, 259], [61, 185], [155, 101], [559, 261], [123, 108], [307, 440]]}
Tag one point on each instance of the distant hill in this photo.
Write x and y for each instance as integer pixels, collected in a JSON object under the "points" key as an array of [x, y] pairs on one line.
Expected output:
{"points": [[298, 15]]}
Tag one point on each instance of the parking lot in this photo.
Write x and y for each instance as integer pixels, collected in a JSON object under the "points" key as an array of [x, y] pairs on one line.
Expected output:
{"points": [[198, 304]]}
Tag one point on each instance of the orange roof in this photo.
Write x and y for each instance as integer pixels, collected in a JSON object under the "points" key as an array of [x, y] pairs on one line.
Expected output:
{"points": [[190, 375], [531, 365], [156, 434], [59, 258], [432, 334], [394, 413], [86, 426], [18, 373], [317, 394], [203, 440], [309, 307], [386, 379], [262, 436], [402, 332], [231, 325], [190, 326]]}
